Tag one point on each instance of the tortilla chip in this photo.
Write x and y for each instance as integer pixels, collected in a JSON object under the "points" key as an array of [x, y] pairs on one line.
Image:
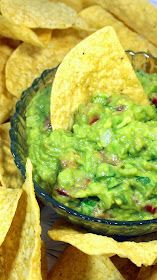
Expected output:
{"points": [[96, 64], [148, 273], [140, 15], [83, 267], [19, 32], [41, 14], [8, 203], [129, 39], [9, 174], [140, 253], [77, 5], [20, 253], [6, 100], [31, 61]]}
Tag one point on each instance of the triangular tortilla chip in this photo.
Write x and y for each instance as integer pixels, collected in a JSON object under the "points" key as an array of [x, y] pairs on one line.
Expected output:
{"points": [[83, 267], [7, 101], [32, 61], [8, 203], [41, 14], [96, 64], [9, 173], [20, 253], [129, 39], [140, 253], [19, 32]]}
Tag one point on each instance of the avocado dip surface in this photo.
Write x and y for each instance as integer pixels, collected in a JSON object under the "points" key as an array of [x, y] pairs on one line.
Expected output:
{"points": [[106, 165]]}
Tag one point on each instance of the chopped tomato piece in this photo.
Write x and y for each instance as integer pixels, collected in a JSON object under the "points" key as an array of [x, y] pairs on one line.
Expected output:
{"points": [[150, 208], [154, 101], [62, 192], [94, 120]]}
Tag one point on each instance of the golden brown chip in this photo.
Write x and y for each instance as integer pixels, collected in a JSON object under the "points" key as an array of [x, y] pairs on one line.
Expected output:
{"points": [[19, 32], [31, 61], [140, 253], [9, 174], [140, 15], [129, 39], [41, 14], [75, 265], [20, 253], [96, 64], [7, 102], [8, 203]]}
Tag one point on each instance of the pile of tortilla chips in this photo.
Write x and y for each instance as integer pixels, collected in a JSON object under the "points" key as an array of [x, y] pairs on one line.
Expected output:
{"points": [[36, 35]]}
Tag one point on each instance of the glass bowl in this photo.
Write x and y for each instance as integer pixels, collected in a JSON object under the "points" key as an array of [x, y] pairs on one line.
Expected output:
{"points": [[117, 229]]}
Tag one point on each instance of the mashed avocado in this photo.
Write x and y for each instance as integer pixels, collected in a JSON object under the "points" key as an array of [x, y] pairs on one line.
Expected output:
{"points": [[106, 166]]}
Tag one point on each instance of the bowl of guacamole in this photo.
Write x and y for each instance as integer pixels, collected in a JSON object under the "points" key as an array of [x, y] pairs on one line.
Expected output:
{"points": [[102, 173]]}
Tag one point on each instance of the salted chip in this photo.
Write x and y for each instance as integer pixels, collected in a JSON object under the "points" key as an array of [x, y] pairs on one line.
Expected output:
{"points": [[20, 253], [31, 61], [9, 174], [96, 64], [140, 253], [83, 267], [129, 39], [140, 15], [18, 32], [41, 14], [8, 203]]}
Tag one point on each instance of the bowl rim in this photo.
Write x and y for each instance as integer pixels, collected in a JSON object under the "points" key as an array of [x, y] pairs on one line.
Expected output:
{"points": [[41, 192]]}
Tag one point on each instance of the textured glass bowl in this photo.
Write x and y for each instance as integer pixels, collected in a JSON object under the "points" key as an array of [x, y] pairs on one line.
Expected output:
{"points": [[113, 228]]}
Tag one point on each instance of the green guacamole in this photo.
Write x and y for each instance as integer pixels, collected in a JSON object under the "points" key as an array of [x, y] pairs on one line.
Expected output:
{"points": [[106, 165]]}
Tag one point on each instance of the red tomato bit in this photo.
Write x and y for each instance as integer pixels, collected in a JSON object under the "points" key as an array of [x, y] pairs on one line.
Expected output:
{"points": [[150, 208], [154, 101], [62, 192], [94, 120]]}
